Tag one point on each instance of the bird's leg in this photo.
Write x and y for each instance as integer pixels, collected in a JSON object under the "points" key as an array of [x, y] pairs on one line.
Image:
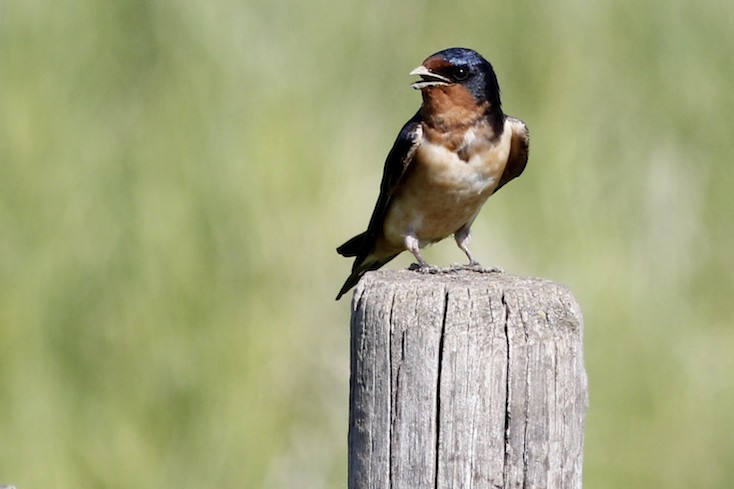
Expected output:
{"points": [[462, 238], [413, 245]]}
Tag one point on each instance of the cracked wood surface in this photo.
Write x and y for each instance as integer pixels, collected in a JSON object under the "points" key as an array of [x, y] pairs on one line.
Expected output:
{"points": [[463, 379]]}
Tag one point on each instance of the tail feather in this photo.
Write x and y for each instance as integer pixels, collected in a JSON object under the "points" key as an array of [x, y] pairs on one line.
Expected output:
{"points": [[360, 270], [349, 283], [353, 246]]}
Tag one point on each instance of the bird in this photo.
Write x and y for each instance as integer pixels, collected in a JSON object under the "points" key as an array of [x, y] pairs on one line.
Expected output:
{"points": [[448, 159]]}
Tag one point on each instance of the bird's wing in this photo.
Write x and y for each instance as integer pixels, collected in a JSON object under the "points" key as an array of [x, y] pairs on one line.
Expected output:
{"points": [[398, 160], [519, 147]]}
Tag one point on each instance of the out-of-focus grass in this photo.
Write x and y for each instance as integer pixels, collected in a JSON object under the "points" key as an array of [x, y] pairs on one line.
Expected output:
{"points": [[174, 177]]}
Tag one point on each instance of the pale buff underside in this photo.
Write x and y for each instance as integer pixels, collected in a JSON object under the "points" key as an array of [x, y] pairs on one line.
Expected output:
{"points": [[442, 193]]}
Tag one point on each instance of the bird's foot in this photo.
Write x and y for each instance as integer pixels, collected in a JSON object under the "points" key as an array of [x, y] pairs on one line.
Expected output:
{"points": [[424, 268], [475, 266], [455, 267]]}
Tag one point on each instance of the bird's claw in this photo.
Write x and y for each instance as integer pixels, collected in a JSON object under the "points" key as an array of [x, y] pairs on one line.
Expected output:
{"points": [[475, 266], [424, 268], [455, 267]]}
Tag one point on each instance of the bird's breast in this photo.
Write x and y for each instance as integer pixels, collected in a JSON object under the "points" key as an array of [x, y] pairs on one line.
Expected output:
{"points": [[468, 170], [446, 184]]}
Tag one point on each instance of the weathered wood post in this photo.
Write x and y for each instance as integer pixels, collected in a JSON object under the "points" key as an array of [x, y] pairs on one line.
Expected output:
{"points": [[465, 380]]}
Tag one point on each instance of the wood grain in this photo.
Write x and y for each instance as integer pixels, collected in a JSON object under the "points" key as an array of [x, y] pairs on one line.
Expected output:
{"points": [[463, 379]]}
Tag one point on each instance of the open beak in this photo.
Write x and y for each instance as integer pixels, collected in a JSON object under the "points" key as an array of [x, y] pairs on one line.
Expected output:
{"points": [[428, 78]]}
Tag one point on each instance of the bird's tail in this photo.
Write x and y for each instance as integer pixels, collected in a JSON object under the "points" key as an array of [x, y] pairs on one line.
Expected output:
{"points": [[370, 263], [353, 246]]}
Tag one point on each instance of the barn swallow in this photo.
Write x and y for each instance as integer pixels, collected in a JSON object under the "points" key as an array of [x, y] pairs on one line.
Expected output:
{"points": [[456, 151]]}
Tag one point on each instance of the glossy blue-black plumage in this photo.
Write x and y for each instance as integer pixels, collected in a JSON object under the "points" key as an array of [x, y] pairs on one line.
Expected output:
{"points": [[461, 66], [482, 81]]}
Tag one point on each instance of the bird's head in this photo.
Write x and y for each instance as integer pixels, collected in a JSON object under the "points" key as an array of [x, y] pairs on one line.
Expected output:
{"points": [[455, 72]]}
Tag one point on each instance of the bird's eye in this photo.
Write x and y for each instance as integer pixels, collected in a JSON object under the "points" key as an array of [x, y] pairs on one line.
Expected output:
{"points": [[461, 73]]}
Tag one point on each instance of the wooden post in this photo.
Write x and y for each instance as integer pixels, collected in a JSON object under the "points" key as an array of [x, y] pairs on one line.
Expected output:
{"points": [[465, 379]]}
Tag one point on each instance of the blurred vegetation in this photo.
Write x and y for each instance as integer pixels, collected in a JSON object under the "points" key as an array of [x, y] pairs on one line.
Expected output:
{"points": [[174, 177]]}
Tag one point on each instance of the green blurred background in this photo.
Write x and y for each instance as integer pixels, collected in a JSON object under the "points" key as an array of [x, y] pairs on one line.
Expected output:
{"points": [[175, 176]]}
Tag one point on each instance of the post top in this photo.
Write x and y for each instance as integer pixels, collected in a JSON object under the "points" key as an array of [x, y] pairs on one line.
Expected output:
{"points": [[455, 277]]}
